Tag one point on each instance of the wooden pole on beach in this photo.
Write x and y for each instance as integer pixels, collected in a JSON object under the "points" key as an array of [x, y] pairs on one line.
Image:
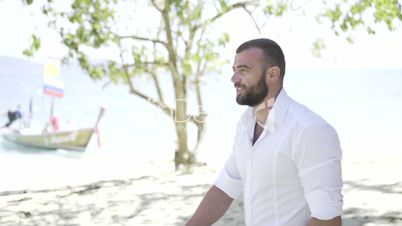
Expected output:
{"points": [[98, 135], [51, 108]]}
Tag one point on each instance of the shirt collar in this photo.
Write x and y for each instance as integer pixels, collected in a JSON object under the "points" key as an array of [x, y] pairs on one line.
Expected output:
{"points": [[278, 113], [276, 116]]}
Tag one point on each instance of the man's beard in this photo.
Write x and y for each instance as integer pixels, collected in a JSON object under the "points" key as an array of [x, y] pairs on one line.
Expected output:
{"points": [[255, 94]]}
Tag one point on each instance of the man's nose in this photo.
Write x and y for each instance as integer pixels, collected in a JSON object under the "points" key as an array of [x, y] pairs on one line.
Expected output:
{"points": [[235, 78]]}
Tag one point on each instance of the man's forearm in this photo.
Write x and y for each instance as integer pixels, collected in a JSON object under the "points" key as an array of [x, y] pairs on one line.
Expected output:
{"points": [[337, 221], [212, 207]]}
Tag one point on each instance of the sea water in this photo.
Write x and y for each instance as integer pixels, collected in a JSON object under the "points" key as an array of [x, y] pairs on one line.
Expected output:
{"points": [[138, 139]]}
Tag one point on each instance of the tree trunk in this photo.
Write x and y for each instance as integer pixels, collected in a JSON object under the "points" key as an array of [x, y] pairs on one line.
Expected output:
{"points": [[182, 155], [201, 129]]}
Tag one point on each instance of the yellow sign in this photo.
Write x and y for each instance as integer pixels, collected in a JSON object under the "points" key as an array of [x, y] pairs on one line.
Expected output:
{"points": [[52, 70]]}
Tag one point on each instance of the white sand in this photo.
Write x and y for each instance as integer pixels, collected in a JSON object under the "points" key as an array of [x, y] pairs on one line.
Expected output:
{"points": [[372, 194]]}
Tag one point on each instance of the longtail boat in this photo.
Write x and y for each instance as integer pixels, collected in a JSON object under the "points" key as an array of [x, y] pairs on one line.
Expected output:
{"points": [[77, 139]]}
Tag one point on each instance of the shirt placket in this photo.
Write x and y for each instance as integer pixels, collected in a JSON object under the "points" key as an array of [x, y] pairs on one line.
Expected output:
{"points": [[251, 175], [249, 185]]}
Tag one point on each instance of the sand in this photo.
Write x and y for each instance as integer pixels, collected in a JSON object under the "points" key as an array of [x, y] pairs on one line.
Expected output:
{"points": [[372, 196]]}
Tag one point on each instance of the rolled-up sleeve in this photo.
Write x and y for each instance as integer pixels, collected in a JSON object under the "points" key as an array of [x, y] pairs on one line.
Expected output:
{"points": [[229, 180], [318, 160]]}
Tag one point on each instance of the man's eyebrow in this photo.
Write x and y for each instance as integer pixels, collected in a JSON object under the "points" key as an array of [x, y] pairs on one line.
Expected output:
{"points": [[241, 66]]}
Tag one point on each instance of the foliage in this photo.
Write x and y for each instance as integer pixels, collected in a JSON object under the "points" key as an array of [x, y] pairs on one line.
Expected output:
{"points": [[176, 38], [34, 46], [348, 15]]}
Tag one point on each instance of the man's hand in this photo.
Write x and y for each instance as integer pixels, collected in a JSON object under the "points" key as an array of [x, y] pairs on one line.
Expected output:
{"points": [[212, 207], [337, 221]]}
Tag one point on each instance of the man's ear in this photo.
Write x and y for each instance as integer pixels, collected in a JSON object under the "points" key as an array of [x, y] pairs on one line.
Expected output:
{"points": [[273, 73]]}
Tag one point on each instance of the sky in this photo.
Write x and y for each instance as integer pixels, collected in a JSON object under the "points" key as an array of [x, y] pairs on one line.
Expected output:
{"points": [[294, 34]]}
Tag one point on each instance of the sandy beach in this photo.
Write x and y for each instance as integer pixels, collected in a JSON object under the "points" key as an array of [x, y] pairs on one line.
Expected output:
{"points": [[372, 196]]}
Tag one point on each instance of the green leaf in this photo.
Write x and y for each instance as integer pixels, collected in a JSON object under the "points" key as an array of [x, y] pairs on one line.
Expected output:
{"points": [[28, 2], [224, 39], [318, 46], [33, 47], [276, 10], [224, 5], [187, 68]]}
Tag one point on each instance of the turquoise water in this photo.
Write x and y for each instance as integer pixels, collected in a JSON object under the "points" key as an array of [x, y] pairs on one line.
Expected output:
{"points": [[358, 103]]}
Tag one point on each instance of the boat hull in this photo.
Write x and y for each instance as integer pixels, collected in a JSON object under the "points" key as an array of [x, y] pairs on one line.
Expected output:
{"points": [[71, 140]]}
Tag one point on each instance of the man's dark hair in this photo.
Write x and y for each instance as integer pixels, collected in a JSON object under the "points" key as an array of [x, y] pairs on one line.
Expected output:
{"points": [[272, 52]]}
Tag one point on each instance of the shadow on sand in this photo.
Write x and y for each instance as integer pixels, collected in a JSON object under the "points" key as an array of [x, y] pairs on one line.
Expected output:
{"points": [[145, 201], [360, 216]]}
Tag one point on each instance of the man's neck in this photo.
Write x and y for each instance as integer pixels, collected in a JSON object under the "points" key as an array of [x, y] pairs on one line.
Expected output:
{"points": [[262, 110]]}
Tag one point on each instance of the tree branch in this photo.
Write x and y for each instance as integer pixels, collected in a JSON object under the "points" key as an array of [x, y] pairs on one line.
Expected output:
{"points": [[154, 78], [153, 73], [226, 10], [156, 6], [142, 39], [160, 104], [250, 13], [169, 38], [171, 51], [199, 120], [146, 63], [198, 73], [157, 85], [163, 106]]}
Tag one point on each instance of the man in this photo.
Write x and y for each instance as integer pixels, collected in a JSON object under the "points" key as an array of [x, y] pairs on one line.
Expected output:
{"points": [[286, 160], [13, 116]]}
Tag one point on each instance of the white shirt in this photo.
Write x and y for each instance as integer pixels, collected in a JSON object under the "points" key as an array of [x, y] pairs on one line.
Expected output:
{"points": [[291, 173]]}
